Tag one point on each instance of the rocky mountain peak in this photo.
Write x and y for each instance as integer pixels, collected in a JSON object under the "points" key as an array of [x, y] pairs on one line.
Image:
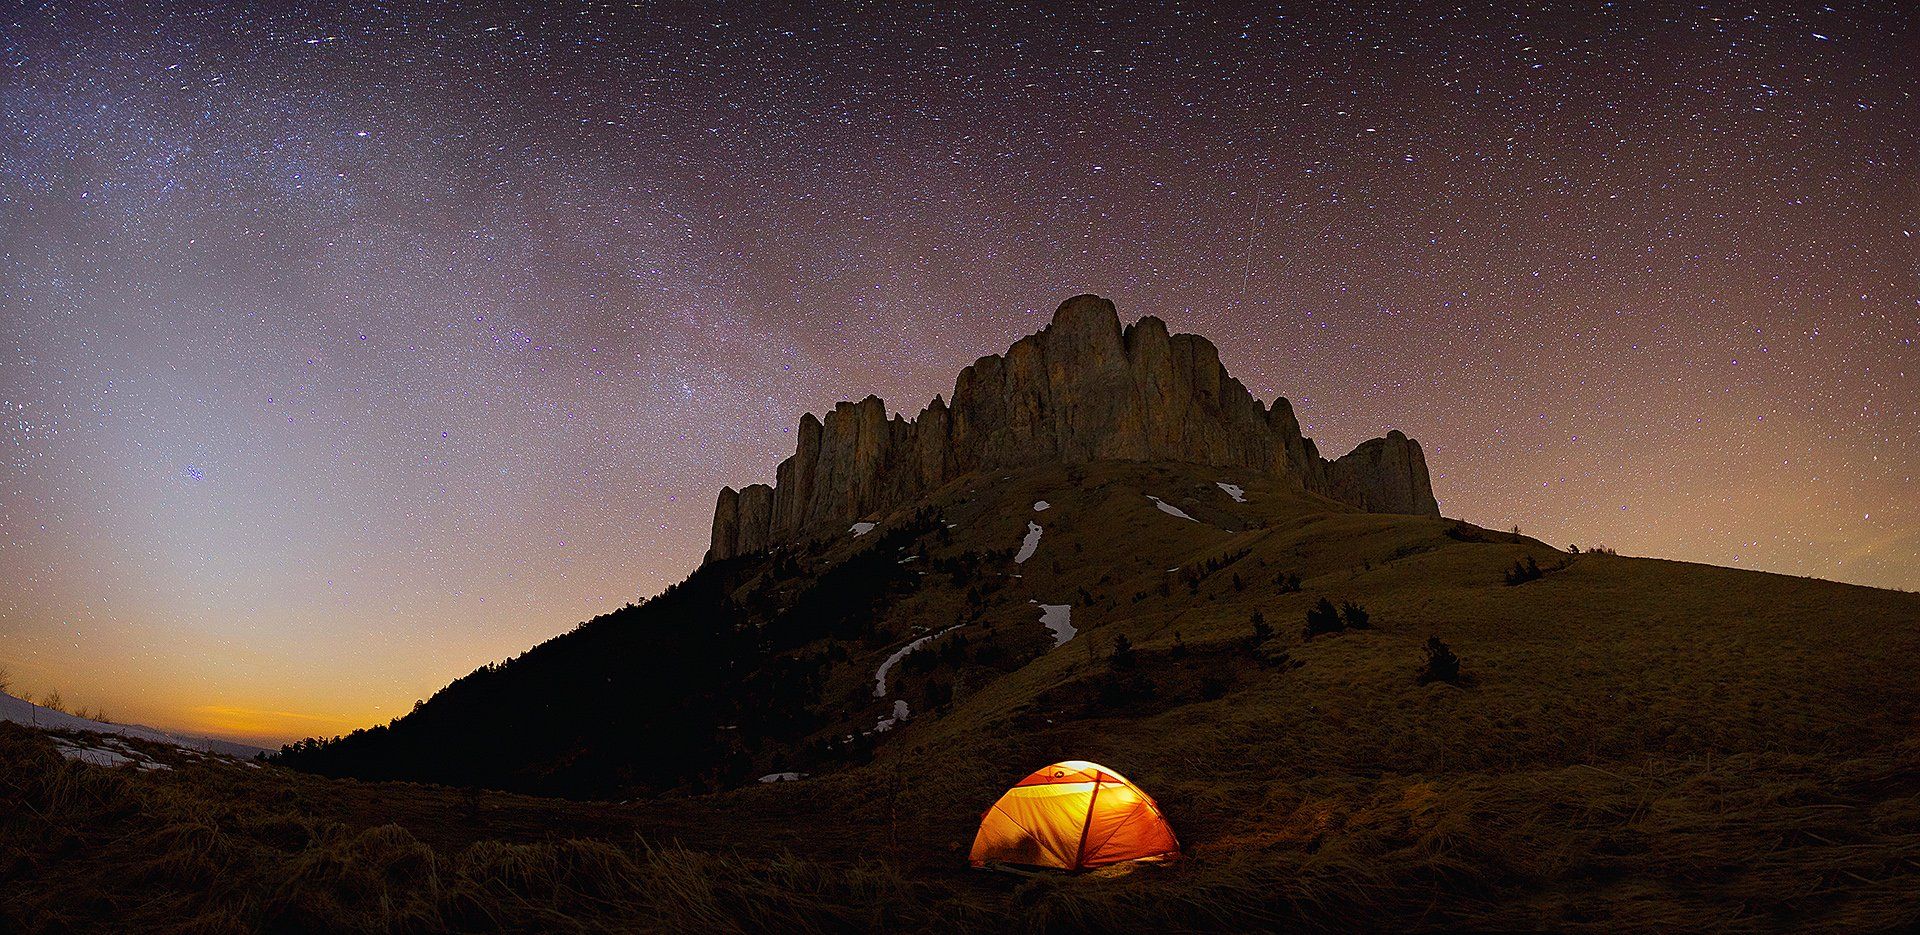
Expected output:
{"points": [[1082, 389]]}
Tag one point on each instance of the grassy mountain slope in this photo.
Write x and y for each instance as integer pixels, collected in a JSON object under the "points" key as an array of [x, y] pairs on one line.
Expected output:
{"points": [[1637, 745]]}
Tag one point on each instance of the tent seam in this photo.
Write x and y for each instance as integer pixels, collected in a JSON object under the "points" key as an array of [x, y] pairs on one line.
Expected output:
{"points": [[1109, 838]]}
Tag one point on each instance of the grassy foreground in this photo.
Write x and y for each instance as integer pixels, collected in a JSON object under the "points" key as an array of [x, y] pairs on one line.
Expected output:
{"points": [[1767, 844], [1638, 745]]}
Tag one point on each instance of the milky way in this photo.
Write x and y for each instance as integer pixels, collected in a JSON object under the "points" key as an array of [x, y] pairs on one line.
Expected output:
{"points": [[344, 351]]}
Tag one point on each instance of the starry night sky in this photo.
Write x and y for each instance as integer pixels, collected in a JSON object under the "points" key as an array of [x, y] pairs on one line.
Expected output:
{"points": [[343, 351]]}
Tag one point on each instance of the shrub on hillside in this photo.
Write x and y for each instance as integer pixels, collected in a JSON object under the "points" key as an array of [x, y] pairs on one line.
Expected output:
{"points": [[1323, 617], [990, 654], [939, 695], [1262, 631], [1442, 665], [1124, 682], [1523, 572], [1354, 616]]}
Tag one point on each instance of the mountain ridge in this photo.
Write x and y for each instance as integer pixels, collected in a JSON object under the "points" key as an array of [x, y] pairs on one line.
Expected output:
{"points": [[1081, 389], [23, 712]]}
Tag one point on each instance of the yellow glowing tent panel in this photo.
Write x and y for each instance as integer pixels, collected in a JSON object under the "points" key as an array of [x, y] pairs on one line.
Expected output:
{"points": [[1073, 816]]}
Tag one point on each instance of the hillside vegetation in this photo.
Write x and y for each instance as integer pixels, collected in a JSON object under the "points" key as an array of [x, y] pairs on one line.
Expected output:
{"points": [[1627, 744]]}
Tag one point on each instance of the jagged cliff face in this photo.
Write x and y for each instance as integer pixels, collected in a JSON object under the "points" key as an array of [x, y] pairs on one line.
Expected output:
{"points": [[1081, 390]]}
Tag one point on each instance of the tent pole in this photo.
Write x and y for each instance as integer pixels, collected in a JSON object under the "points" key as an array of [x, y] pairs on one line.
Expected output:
{"points": [[1080, 855]]}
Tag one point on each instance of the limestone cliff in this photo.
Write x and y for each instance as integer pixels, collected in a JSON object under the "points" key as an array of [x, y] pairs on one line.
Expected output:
{"points": [[1083, 389]]}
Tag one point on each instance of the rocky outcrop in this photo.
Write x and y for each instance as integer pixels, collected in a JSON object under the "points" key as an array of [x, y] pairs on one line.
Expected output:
{"points": [[726, 525], [1083, 389], [1383, 475]]}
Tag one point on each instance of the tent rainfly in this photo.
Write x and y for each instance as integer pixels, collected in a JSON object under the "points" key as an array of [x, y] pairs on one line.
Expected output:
{"points": [[1074, 815]]}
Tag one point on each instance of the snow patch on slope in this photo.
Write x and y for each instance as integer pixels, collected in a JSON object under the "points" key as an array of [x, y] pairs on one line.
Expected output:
{"points": [[1039, 505], [860, 529], [880, 674], [1059, 619], [106, 751], [1170, 509], [783, 777], [900, 713], [1237, 492], [1029, 544]]}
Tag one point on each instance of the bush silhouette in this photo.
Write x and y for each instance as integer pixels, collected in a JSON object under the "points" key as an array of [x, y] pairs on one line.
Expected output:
{"points": [[1354, 616], [1123, 658], [939, 695], [1442, 665], [1523, 572], [1323, 617]]}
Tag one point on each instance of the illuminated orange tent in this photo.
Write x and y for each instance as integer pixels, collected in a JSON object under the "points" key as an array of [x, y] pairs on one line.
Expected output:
{"points": [[1073, 816]]}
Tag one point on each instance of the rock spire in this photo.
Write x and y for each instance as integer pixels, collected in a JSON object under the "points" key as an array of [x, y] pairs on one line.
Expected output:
{"points": [[1083, 389]]}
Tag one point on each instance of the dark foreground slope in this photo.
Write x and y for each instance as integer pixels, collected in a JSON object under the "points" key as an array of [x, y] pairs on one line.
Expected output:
{"points": [[1639, 745]]}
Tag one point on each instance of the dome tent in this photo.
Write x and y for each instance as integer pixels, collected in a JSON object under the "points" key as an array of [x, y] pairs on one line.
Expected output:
{"points": [[1073, 815]]}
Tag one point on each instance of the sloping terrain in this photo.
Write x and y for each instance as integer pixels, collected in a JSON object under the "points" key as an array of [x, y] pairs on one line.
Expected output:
{"points": [[20, 711], [1633, 744]]}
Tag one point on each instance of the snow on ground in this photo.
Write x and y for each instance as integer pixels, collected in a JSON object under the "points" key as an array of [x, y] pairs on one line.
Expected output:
{"points": [[783, 777], [900, 713], [1170, 509], [861, 529], [1030, 543], [106, 751], [24, 712], [1059, 619], [1039, 505], [1237, 492], [32, 715], [880, 674]]}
